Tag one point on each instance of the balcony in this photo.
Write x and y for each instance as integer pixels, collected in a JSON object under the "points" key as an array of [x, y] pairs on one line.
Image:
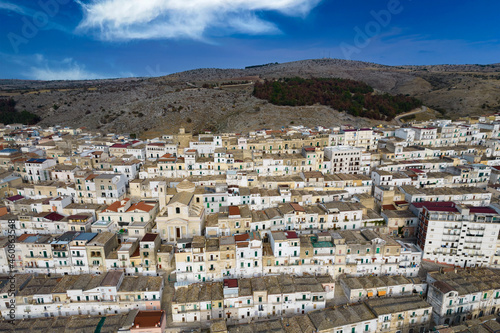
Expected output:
{"points": [[474, 235], [38, 256]]}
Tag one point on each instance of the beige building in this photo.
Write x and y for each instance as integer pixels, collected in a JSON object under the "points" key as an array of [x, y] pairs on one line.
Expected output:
{"points": [[401, 314], [98, 249], [182, 217]]}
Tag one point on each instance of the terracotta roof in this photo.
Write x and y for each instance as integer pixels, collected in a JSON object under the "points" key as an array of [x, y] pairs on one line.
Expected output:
{"points": [[241, 237], [231, 283], [90, 177], [115, 205], [140, 206], [149, 237], [120, 145], [234, 210], [78, 217], [297, 207], [136, 253], [15, 198], [145, 319], [24, 236], [482, 210], [54, 216]]}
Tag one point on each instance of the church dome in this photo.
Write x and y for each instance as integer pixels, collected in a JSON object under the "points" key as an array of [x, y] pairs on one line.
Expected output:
{"points": [[185, 186]]}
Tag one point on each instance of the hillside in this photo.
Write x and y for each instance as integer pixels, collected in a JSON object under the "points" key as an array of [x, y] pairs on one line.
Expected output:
{"points": [[355, 97], [189, 99]]}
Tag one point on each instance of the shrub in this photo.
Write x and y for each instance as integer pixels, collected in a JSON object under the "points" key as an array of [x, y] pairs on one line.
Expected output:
{"points": [[354, 97], [9, 114]]}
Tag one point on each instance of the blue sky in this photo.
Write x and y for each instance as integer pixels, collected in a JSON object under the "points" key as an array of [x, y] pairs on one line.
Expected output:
{"points": [[88, 39]]}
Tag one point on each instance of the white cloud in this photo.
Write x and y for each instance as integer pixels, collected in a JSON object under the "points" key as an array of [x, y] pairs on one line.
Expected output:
{"points": [[156, 19], [12, 7], [66, 69]]}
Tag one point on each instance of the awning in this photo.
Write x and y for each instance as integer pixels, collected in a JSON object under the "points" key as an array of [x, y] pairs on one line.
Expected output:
{"points": [[370, 294], [381, 292]]}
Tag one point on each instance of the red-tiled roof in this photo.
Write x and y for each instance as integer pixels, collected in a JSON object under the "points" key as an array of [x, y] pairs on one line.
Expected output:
{"points": [[54, 216], [24, 236], [291, 234], [240, 238], [388, 207], [120, 145], [149, 237], [78, 217], [430, 204], [234, 210], [136, 253], [297, 207], [145, 319], [140, 206], [115, 205], [231, 283], [15, 198], [482, 210], [90, 177]]}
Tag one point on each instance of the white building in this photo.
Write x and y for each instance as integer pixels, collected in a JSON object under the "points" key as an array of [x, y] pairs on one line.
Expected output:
{"points": [[456, 234], [344, 159], [37, 169]]}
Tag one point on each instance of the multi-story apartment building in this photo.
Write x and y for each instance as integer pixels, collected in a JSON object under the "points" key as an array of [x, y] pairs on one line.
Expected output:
{"points": [[110, 187], [344, 159], [38, 169], [98, 249], [457, 234]]}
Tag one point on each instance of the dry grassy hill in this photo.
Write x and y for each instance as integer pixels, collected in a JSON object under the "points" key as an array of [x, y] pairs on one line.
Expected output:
{"points": [[153, 105]]}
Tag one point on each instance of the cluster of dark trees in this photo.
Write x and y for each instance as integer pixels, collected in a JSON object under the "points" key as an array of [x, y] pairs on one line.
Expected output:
{"points": [[355, 97], [9, 114]]}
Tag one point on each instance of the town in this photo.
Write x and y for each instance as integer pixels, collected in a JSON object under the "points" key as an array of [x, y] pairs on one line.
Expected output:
{"points": [[342, 230]]}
